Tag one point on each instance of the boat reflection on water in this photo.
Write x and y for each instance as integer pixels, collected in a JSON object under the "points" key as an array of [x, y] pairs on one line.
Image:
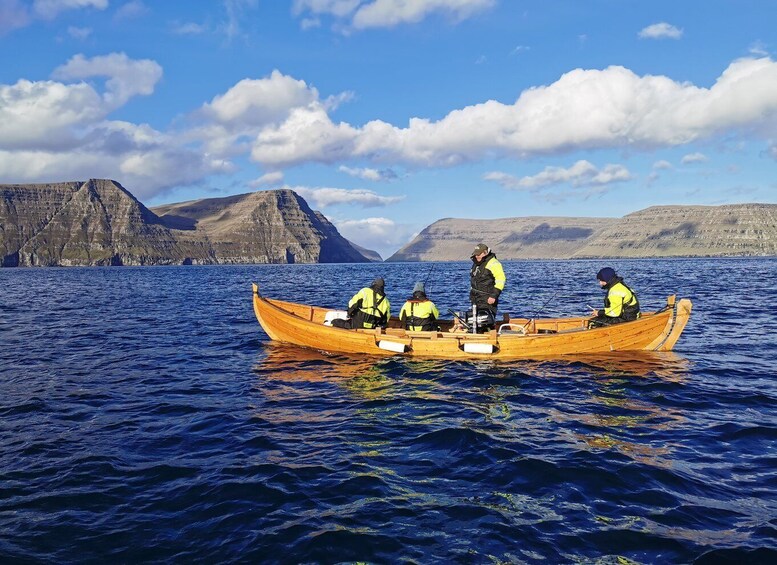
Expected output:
{"points": [[295, 363], [610, 410], [666, 365]]}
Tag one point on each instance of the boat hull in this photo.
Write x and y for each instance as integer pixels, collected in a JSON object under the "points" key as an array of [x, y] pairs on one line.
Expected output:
{"points": [[516, 338]]}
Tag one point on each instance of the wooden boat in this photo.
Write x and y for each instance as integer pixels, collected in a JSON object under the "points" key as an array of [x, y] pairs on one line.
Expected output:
{"points": [[513, 338]]}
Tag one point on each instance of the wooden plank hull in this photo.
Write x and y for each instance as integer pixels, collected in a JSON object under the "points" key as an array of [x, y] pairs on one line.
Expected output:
{"points": [[303, 325]]}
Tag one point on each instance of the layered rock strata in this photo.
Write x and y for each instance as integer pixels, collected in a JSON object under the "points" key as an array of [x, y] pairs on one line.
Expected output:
{"points": [[99, 222], [659, 231]]}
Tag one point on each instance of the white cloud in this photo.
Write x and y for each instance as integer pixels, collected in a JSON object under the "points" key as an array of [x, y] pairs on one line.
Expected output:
{"points": [[338, 8], [323, 197], [16, 14], [380, 234], [13, 15], [665, 165], [369, 174], [51, 129], [189, 28], [79, 32], [582, 173], [258, 102], [46, 114], [236, 15], [131, 10], [126, 77], [50, 9], [231, 123], [661, 30], [583, 110], [310, 23], [694, 158], [772, 151], [360, 14], [142, 159], [307, 135], [269, 179], [758, 49]]}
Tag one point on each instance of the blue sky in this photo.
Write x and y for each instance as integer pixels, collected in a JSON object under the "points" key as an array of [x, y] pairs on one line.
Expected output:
{"points": [[387, 115]]}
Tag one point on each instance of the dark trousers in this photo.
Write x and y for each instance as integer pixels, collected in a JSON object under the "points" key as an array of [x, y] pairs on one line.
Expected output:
{"points": [[601, 321]]}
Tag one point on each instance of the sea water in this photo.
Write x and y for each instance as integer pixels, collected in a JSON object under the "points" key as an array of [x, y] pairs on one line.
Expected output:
{"points": [[145, 416]]}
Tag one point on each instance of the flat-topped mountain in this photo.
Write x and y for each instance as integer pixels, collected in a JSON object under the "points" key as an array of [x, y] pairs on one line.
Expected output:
{"points": [[98, 222], [659, 231]]}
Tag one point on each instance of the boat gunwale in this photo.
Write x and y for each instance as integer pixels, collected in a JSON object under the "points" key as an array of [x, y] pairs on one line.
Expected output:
{"points": [[359, 340]]}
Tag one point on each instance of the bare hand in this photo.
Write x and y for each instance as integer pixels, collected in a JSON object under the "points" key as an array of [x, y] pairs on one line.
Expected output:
{"points": [[491, 299]]}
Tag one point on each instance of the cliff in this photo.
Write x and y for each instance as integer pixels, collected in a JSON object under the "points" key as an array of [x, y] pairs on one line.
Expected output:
{"points": [[274, 226], [659, 231], [689, 231], [99, 222]]}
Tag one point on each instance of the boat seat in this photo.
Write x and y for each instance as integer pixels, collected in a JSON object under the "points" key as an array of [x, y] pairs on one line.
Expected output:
{"points": [[334, 315]]}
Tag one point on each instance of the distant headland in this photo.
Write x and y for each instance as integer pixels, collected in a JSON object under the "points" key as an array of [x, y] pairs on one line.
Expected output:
{"points": [[735, 230], [98, 222]]}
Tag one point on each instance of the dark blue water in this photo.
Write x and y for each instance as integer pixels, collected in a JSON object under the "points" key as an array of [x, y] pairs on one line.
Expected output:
{"points": [[145, 417]]}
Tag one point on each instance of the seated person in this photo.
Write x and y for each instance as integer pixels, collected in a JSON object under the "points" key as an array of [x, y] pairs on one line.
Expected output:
{"points": [[620, 304], [419, 313], [368, 308]]}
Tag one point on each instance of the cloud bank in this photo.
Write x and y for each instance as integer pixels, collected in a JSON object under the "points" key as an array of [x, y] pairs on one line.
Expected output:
{"points": [[583, 110], [62, 127]]}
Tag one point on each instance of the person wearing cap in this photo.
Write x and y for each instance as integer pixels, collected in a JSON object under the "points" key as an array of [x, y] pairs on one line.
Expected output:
{"points": [[368, 308], [487, 279], [620, 304], [418, 312]]}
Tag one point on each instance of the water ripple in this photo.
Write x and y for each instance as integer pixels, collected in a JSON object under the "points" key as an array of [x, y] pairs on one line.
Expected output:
{"points": [[140, 424]]}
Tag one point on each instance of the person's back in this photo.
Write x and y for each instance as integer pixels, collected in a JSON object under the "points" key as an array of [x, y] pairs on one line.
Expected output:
{"points": [[620, 304], [418, 312], [368, 308]]}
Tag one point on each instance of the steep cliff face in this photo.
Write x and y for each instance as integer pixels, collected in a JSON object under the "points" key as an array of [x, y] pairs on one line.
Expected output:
{"points": [[98, 222], [261, 227], [660, 231], [25, 210], [92, 223], [689, 231]]}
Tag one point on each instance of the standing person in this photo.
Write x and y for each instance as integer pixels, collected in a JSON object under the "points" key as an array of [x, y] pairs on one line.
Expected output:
{"points": [[620, 304], [487, 280], [368, 308], [419, 313]]}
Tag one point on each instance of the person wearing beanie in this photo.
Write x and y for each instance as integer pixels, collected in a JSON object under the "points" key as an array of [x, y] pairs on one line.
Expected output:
{"points": [[368, 308], [620, 303], [487, 281], [418, 312]]}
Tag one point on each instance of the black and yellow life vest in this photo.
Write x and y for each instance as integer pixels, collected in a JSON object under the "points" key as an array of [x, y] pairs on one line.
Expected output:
{"points": [[419, 315], [368, 308], [621, 302]]}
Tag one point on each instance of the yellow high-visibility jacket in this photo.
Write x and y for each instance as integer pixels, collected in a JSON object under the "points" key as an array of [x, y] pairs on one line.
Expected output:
{"points": [[419, 315], [369, 308]]}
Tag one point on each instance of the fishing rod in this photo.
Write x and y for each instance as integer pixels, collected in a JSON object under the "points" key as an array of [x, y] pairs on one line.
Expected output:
{"points": [[458, 318], [429, 273], [540, 309]]}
